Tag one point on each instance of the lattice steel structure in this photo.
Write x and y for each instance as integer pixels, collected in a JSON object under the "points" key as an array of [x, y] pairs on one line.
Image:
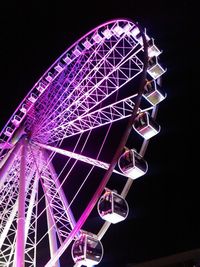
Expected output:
{"points": [[60, 139]]}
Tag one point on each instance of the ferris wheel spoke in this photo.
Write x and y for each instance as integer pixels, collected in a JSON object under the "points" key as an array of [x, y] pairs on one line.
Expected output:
{"points": [[106, 58], [79, 157], [73, 76], [10, 203], [9, 196], [59, 207], [97, 87], [100, 93], [70, 77], [62, 87], [119, 110]]}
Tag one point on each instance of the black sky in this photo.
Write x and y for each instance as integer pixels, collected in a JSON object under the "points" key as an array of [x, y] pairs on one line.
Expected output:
{"points": [[164, 205]]}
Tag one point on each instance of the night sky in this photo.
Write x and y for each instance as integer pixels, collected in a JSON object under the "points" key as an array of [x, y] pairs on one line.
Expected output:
{"points": [[164, 204]]}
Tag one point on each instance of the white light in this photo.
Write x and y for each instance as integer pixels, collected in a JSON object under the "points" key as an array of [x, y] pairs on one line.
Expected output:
{"points": [[113, 217], [148, 132], [134, 172], [97, 38], [135, 32], [107, 33], [23, 109], [147, 37], [140, 40], [155, 97], [153, 51], [127, 28], [118, 30], [156, 71]]}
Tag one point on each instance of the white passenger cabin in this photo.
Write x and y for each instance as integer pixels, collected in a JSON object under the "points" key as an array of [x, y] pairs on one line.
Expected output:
{"points": [[155, 70], [87, 250], [154, 93], [112, 207], [132, 164], [145, 125]]}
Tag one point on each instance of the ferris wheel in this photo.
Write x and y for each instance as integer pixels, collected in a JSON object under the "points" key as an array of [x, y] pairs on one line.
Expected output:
{"points": [[68, 150]]}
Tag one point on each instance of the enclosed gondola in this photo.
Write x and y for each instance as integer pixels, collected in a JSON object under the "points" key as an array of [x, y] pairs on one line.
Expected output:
{"points": [[87, 250], [155, 70], [145, 125], [154, 93], [132, 164], [112, 207]]}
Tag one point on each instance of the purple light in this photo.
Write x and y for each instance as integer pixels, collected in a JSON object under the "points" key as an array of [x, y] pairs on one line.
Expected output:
{"points": [[67, 59], [97, 38], [87, 44], [77, 52]]}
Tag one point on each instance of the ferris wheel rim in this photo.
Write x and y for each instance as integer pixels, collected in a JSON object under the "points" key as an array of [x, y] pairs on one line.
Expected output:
{"points": [[74, 45]]}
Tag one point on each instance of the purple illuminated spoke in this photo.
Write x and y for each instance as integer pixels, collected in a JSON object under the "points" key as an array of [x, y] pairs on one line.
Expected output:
{"points": [[107, 115], [96, 89], [97, 68], [93, 162]]}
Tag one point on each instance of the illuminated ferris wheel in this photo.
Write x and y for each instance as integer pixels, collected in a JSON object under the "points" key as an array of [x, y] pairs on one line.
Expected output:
{"points": [[66, 148]]}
